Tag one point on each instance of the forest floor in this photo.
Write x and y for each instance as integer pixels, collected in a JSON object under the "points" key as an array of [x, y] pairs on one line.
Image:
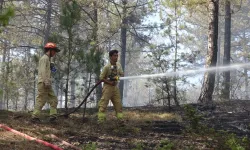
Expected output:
{"points": [[222, 126]]}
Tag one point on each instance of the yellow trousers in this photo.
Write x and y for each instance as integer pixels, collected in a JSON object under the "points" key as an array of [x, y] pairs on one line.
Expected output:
{"points": [[45, 95], [112, 93]]}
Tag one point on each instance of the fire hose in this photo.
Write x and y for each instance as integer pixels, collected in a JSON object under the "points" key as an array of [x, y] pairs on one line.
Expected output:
{"points": [[30, 138], [84, 100]]}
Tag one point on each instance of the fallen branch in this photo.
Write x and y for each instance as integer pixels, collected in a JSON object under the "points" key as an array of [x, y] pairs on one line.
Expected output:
{"points": [[30, 138]]}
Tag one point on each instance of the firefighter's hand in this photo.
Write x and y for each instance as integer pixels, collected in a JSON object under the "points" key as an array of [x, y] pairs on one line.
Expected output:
{"points": [[47, 84], [116, 78], [112, 83]]}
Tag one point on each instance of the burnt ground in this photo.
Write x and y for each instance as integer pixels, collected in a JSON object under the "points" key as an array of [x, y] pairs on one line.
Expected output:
{"points": [[146, 128], [231, 116]]}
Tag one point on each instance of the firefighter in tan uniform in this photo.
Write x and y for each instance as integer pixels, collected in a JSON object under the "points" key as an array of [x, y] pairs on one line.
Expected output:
{"points": [[110, 75], [45, 91]]}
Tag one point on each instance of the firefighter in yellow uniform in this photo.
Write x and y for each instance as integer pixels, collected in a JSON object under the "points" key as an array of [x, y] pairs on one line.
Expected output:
{"points": [[110, 76], [45, 91]]}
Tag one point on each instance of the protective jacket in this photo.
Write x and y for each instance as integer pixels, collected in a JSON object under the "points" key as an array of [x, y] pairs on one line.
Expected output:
{"points": [[110, 92], [45, 91], [44, 72]]}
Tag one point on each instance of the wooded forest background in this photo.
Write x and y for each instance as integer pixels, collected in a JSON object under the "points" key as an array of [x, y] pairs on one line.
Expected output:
{"points": [[152, 36]]}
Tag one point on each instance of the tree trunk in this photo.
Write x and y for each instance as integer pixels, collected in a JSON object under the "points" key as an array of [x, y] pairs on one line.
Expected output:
{"points": [[209, 77], [246, 83], [98, 91], [218, 64], [68, 69], [245, 74], [27, 88], [7, 87], [1, 5], [123, 43], [66, 94], [2, 69], [48, 21], [3, 77], [16, 103], [227, 46], [67, 78], [72, 93], [175, 58], [87, 89], [96, 49], [34, 87], [26, 100], [61, 95]]}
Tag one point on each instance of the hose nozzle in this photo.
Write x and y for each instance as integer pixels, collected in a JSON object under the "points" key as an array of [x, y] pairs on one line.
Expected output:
{"points": [[117, 78]]}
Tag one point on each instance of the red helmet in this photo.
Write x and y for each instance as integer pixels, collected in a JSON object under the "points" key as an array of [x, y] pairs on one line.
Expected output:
{"points": [[51, 45]]}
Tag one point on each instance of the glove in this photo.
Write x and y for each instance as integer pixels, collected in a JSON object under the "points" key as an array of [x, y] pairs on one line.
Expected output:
{"points": [[52, 67], [112, 83], [115, 78]]}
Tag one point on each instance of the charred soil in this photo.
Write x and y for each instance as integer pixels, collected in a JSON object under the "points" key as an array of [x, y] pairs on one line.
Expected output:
{"points": [[146, 128]]}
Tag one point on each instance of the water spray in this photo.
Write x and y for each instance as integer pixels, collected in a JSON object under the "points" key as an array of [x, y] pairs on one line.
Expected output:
{"points": [[187, 72], [167, 74]]}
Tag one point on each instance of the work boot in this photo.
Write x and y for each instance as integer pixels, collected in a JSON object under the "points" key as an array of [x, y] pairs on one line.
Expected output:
{"points": [[120, 119], [101, 117], [119, 115], [101, 121], [35, 120]]}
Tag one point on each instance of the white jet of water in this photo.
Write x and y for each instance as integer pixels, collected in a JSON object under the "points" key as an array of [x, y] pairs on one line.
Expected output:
{"points": [[187, 72]]}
